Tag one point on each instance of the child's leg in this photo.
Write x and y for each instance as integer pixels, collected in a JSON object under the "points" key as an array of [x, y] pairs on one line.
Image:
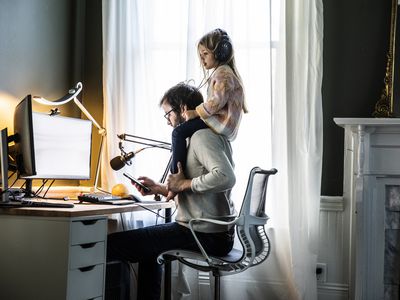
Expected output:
{"points": [[179, 136]]}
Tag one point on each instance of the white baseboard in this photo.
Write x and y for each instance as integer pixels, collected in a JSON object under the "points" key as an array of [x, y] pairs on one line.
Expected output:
{"points": [[235, 287], [333, 291], [332, 203]]}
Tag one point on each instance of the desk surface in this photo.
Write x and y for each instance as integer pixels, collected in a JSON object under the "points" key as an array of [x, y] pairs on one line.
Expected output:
{"points": [[83, 209]]}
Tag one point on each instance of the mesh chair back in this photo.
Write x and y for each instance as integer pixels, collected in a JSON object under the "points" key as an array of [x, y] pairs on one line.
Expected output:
{"points": [[250, 230], [252, 218]]}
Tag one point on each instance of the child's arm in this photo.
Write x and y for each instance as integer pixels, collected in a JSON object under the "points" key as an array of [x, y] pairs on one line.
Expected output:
{"points": [[221, 85]]}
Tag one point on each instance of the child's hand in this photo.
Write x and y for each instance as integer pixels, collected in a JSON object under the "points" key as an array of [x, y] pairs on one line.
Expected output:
{"points": [[189, 114]]}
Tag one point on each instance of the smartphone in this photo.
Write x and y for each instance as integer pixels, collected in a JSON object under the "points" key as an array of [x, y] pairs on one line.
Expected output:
{"points": [[145, 188]]}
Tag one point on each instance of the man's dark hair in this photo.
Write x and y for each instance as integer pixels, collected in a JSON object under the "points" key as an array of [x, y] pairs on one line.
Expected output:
{"points": [[180, 95]]}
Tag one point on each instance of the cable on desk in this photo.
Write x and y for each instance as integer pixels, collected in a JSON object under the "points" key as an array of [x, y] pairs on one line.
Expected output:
{"points": [[22, 186], [48, 188], [39, 190], [12, 174], [156, 213], [16, 179], [13, 196]]}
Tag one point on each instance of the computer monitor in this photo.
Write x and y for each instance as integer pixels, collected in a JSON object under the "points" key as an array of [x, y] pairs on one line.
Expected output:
{"points": [[51, 146], [4, 165], [23, 138]]}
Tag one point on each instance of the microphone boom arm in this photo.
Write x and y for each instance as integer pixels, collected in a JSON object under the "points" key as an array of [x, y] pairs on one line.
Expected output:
{"points": [[150, 143], [144, 141]]}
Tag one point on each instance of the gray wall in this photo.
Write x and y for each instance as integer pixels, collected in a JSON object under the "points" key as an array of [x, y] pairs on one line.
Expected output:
{"points": [[35, 47], [46, 47]]}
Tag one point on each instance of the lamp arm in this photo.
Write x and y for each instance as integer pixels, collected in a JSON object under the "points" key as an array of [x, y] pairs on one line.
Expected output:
{"points": [[102, 131], [72, 93]]}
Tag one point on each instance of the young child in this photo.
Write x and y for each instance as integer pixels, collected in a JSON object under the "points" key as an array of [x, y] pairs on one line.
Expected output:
{"points": [[225, 102]]}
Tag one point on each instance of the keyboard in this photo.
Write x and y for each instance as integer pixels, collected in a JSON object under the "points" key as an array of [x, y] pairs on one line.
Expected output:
{"points": [[104, 198], [28, 203], [9, 204]]}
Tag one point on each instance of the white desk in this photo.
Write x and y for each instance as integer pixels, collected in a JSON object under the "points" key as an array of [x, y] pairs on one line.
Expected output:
{"points": [[57, 253]]}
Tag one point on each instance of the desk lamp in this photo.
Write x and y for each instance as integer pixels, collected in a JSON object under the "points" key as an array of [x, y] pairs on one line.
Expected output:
{"points": [[72, 95]]}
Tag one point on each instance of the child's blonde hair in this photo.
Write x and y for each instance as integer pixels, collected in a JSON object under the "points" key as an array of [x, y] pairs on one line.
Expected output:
{"points": [[211, 41]]}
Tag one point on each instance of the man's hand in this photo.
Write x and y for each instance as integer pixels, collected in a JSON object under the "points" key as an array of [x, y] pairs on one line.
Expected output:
{"points": [[155, 188], [177, 182]]}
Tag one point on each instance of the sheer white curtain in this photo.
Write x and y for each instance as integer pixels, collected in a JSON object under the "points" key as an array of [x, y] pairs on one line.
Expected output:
{"points": [[133, 85], [150, 45], [297, 144]]}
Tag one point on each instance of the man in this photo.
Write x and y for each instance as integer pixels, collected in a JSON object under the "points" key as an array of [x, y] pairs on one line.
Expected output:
{"points": [[203, 190]]}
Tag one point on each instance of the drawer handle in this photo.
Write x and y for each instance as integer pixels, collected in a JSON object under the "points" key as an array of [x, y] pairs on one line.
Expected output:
{"points": [[88, 245], [86, 269], [89, 222]]}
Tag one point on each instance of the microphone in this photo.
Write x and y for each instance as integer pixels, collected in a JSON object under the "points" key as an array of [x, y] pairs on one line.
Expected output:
{"points": [[120, 161]]}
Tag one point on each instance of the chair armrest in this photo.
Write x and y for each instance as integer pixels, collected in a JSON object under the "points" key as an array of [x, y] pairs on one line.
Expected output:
{"points": [[258, 220], [214, 221]]}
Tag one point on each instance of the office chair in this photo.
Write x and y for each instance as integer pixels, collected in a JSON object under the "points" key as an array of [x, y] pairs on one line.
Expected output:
{"points": [[250, 231]]}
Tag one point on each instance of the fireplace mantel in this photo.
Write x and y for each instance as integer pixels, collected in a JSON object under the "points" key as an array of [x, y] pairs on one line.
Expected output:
{"points": [[372, 193]]}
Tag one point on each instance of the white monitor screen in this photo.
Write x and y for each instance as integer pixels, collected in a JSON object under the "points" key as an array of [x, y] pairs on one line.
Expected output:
{"points": [[62, 147]]}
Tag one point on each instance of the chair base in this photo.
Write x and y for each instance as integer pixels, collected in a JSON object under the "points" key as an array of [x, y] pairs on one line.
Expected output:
{"points": [[217, 286]]}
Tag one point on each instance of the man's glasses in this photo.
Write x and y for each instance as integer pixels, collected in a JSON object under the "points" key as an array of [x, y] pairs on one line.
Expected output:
{"points": [[166, 116]]}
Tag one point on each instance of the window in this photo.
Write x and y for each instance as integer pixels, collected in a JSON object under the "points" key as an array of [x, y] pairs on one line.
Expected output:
{"points": [[160, 50]]}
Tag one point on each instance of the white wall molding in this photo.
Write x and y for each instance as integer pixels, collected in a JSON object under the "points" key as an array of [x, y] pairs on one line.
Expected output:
{"points": [[197, 285], [333, 287], [333, 291], [332, 203]]}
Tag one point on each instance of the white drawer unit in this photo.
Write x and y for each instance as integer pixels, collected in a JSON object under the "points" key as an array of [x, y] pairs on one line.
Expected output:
{"points": [[85, 255], [52, 257], [86, 283]]}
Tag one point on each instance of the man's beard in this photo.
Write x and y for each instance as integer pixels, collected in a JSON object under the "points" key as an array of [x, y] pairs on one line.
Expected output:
{"points": [[181, 119]]}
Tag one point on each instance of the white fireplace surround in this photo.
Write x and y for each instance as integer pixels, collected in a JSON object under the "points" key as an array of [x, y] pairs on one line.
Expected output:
{"points": [[371, 163]]}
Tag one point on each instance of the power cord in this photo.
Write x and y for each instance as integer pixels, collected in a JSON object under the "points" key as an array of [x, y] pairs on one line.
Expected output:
{"points": [[152, 211]]}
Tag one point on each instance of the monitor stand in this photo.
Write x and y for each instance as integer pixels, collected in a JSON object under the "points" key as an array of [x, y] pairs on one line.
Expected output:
{"points": [[28, 188]]}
